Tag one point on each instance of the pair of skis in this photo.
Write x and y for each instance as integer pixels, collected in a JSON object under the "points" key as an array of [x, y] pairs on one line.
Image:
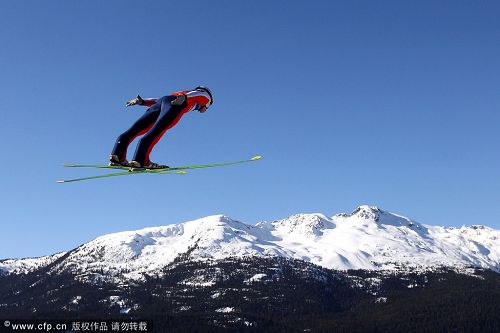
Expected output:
{"points": [[133, 171]]}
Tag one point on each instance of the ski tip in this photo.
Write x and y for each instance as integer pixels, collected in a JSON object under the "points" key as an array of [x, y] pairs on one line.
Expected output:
{"points": [[60, 181], [255, 158]]}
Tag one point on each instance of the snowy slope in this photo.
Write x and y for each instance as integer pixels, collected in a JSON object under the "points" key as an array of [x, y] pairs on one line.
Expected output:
{"points": [[27, 265], [368, 238]]}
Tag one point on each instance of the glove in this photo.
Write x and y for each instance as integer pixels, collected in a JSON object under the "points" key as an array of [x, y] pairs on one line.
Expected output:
{"points": [[179, 100], [136, 101]]}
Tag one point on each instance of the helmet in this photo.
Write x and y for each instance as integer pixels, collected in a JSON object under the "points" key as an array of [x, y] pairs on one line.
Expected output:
{"points": [[207, 91]]}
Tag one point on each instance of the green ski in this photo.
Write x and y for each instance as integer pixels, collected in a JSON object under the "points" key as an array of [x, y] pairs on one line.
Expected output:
{"points": [[131, 171], [255, 158], [160, 171]]}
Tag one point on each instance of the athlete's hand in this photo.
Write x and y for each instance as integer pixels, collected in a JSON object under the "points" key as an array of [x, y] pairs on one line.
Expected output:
{"points": [[136, 101], [179, 100]]}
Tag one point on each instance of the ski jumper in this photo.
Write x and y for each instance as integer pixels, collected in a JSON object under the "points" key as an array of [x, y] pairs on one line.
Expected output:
{"points": [[158, 118]]}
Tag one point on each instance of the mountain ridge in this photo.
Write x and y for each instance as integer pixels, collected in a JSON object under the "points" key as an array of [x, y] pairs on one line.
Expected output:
{"points": [[368, 238]]}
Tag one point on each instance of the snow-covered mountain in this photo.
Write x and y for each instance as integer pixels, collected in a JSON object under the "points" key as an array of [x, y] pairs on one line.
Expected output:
{"points": [[368, 238], [26, 265]]}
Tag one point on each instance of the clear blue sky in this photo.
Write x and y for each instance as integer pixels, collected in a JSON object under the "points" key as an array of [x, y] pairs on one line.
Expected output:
{"points": [[385, 103]]}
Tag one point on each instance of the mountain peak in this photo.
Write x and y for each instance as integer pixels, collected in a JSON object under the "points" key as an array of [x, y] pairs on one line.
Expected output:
{"points": [[305, 224], [214, 219], [368, 212]]}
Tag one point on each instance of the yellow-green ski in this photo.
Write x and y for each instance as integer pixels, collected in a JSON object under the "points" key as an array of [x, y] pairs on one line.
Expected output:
{"points": [[132, 171], [122, 174]]}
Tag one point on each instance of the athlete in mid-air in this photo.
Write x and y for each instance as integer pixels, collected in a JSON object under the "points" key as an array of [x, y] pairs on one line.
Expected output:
{"points": [[162, 114]]}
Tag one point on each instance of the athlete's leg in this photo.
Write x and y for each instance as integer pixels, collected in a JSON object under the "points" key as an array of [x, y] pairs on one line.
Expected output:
{"points": [[141, 126], [169, 116]]}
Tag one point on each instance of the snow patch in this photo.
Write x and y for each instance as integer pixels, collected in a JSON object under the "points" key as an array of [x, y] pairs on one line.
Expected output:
{"points": [[255, 278], [76, 300], [225, 310]]}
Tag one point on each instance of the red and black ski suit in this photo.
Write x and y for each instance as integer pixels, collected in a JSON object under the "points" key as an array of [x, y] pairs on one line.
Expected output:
{"points": [[158, 118]]}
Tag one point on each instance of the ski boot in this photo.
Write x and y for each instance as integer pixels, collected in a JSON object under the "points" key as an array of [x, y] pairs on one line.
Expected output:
{"points": [[114, 160], [149, 165]]}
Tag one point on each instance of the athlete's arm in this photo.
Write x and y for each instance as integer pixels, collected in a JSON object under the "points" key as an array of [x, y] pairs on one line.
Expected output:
{"points": [[140, 101], [149, 101]]}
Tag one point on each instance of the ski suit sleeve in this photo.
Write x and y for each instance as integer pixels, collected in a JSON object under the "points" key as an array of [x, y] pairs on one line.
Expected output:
{"points": [[149, 101]]}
